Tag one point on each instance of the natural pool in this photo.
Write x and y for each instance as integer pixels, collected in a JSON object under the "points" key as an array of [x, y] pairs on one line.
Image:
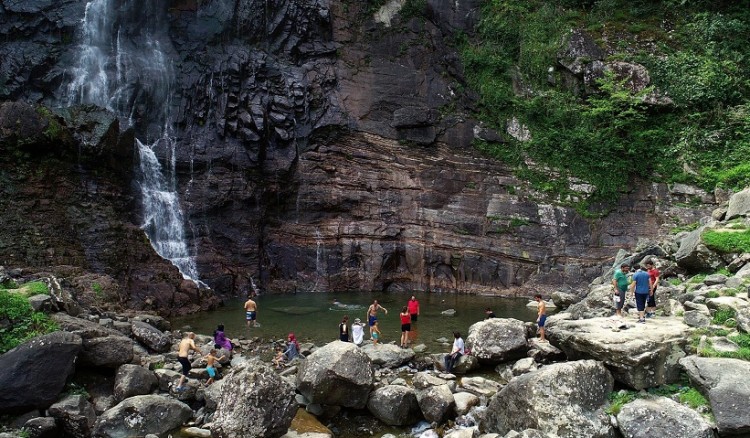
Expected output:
{"points": [[314, 318]]}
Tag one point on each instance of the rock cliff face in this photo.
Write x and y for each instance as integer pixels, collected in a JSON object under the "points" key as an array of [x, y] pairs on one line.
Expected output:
{"points": [[325, 146]]}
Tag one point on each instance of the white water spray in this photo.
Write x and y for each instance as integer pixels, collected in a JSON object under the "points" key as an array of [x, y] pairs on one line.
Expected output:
{"points": [[123, 66]]}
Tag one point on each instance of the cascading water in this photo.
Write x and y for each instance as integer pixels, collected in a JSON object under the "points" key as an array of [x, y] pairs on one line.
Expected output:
{"points": [[123, 65]]}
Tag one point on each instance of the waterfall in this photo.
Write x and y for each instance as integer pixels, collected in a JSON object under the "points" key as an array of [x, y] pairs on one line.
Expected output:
{"points": [[123, 65]]}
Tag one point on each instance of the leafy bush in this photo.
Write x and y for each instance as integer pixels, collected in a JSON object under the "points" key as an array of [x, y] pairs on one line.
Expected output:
{"points": [[712, 294], [19, 322]]}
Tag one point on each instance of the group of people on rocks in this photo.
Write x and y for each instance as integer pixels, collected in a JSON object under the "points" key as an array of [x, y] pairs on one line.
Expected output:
{"points": [[409, 314], [642, 284]]}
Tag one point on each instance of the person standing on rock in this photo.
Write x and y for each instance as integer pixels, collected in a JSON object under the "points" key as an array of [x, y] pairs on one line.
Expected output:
{"points": [[186, 344], [620, 287], [372, 314], [344, 329], [653, 275], [405, 326], [456, 352], [251, 312], [413, 306], [541, 317], [642, 287]]}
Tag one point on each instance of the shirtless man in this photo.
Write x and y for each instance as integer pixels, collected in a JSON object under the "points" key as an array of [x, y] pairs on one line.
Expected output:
{"points": [[251, 310], [541, 316], [372, 314], [186, 344]]}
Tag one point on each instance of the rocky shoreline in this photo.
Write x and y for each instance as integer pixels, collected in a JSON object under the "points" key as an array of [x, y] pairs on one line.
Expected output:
{"points": [[110, 374]]}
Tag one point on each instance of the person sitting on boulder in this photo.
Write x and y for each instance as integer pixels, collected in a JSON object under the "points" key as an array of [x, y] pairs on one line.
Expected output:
{"points": [[220, 339], [456, 352], [292, 348]]}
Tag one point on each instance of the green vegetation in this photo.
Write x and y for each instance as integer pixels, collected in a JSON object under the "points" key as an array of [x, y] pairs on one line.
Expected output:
{"points": [[712, 294], [697, 278], [19, 322], [675, 281], [688, 227], [727, 241], [685, 393], [36, 288], [722, 315], [76, 389], [604, 137], [693, 398]]}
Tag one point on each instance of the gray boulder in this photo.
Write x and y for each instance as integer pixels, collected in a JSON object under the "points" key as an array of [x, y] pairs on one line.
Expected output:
{"points": [[107, 351], [465, 401], [739, 205], [566, 400], [337, 374], [715, 279], [597, 303], [479, 386], [694, 256], [497, 340], [132, 380], [395, 405], [388, 355], [42, 427], [84, 328], [641, 356], [436, 403], [661, 417], [76, 416], [726, 384], [142, 415], [41, 303], [157, 321], [35, 372], [563, 299], [696, 318], [743, 320], [254, 401], [580, 49], [151, 337]]}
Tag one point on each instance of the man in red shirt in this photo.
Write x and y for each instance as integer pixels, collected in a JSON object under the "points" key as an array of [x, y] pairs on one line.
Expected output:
{"points": [[413, 307], [653, 274]]}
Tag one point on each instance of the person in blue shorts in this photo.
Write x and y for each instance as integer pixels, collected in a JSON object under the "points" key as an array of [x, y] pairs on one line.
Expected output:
{"points": [[642, 286], [251, 309], [372, 314], [541, 317]]}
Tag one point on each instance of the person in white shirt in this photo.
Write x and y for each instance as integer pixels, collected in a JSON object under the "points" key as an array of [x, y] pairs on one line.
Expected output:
{"points": [[456, 352], [358, 332]]}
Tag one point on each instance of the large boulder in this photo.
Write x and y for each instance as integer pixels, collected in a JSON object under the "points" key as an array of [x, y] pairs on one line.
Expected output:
{"points": [[480, 386], [76, 416], [641, 356], [337, 374], [395, 405], [694, 256], [132, 380], [497, 340], [597, 303], [565, 400], [151, 337], [34, 373], [84, 328], [254, 401], [437, 403], [107, 351], [726, 383], [739, 205], [388, 355], [142, 415], [661, 417]]}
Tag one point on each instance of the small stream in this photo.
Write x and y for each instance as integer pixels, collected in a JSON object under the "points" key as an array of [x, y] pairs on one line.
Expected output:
{"points": [[314, 318]]}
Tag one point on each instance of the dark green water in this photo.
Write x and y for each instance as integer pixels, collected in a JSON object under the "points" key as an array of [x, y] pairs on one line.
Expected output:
{"points": [[313, 317]]}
